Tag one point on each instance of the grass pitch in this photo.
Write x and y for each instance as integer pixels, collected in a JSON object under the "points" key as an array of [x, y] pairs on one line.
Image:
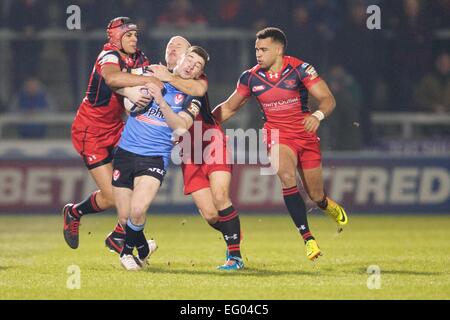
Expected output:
{"points": [[412, 253]]}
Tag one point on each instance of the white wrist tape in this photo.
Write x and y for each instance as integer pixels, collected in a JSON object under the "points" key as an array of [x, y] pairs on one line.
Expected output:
{"points": [[319, 115]]}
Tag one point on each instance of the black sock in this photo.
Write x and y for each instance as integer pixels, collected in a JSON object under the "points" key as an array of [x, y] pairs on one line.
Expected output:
{"points": [[217, 225], [131, 237], [230, 226], [297, 209], [323, 204], [87, 206], [142, 245]]}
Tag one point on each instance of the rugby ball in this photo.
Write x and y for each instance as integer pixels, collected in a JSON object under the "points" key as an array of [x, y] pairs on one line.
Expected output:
{"points": [[133, 108]]}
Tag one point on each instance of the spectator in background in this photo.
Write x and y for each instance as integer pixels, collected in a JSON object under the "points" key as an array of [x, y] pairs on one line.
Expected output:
{"points": [[433, 92], [304, 44], [358, 50], [143, 13], [229, 14], [316, 23], [181, 14], [54, 53], [440, 11], [224, 14], [412, 52], [94, 13], [343, 130], [31, 99], [259, 14], [4, 10], [325, 17], [2, 107], [27, 16], [27, 21]]}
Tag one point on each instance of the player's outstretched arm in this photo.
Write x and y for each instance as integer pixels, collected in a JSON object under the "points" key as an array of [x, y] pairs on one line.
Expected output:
{"points": [[228, 108], [179, 122], [327, 103], [192, 87], [115, 78]]}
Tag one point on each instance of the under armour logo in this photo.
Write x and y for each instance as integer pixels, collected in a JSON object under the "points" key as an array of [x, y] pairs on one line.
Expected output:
{"points": [[302, 227], [233, 237], [273, 75]]}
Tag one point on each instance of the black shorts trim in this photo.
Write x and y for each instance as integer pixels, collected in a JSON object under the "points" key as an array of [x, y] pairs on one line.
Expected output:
{"points": [[107, 160]]}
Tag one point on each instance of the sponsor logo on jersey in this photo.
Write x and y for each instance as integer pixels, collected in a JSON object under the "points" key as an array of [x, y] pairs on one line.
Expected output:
{"points": [[179, 98], [258, 88], [116, 175], [286, 71], [311, 72], [280, 103], [262, 73], [290, 83], [155, 112], [152, 121]]}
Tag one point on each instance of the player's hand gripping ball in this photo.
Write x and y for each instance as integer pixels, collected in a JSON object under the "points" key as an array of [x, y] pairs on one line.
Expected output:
{"points": [[142, 97]]}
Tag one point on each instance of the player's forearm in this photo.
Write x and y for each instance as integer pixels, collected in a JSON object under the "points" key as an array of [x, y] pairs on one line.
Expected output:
{"points": [[123, 79], [174, 121], [222, 112], [122, 91], [327, 105], [128, 92], [196, 88], [229, 108], [323, 95]]}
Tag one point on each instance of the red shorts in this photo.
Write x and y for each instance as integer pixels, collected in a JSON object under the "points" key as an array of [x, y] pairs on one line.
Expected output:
{"points": [[215, 157], [196, 176], [94, 144], [307, 150]]}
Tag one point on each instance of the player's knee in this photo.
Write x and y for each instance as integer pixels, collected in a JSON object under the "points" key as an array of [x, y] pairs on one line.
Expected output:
{"points": [[209, 214], [110, 202], [137, 213], [212, 219], [221, 198]]}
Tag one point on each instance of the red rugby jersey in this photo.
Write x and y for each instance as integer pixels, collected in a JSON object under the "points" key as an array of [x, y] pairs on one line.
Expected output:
{"points": [[283, 96], [208, 121], [102, 107]]}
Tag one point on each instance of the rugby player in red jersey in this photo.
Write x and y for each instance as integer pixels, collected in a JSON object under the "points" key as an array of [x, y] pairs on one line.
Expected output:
{"points": [[98, 123], [281, 85], [207, 180]]}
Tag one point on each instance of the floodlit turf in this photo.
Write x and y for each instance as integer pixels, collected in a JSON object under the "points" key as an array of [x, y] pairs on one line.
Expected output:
{"points": [[412, 252]]}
